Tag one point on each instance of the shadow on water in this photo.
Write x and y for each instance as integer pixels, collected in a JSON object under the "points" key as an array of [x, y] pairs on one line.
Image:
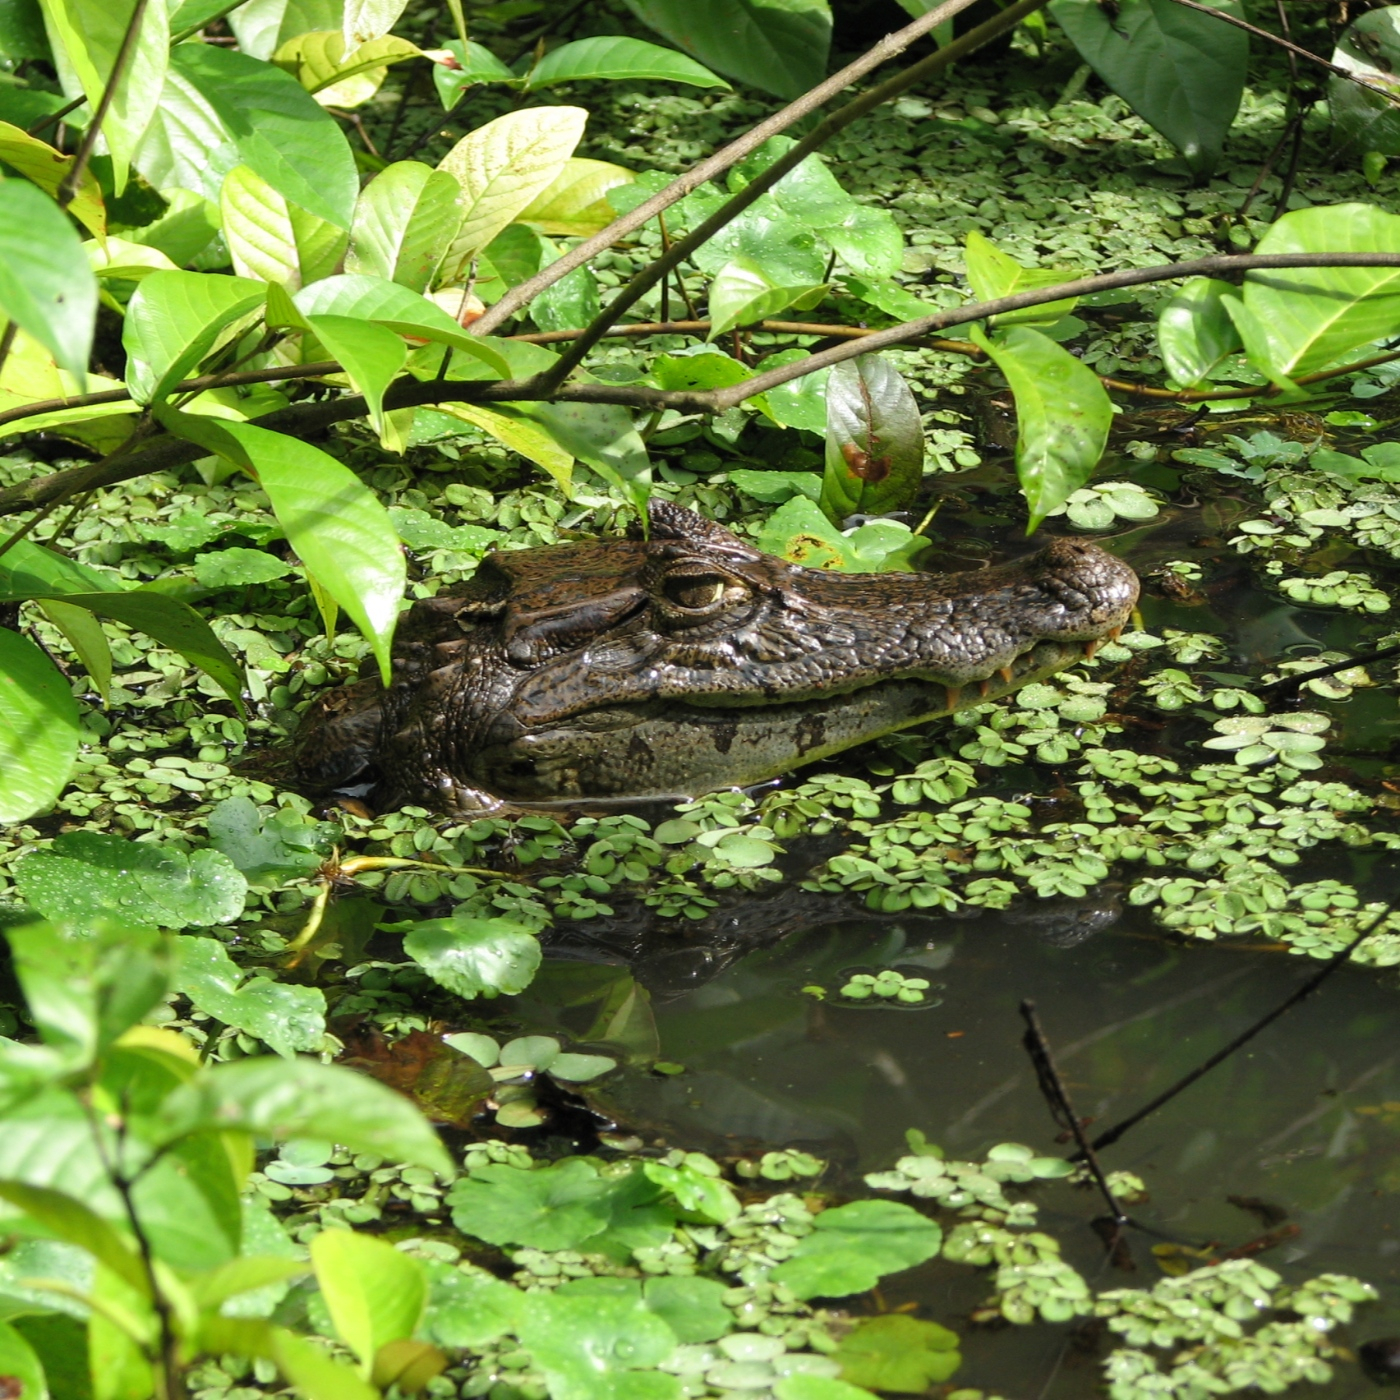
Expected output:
{"points": [[1305, 1118]]}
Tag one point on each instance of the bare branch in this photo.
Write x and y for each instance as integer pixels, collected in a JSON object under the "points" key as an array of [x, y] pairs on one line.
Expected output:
{"points": [[717, 164]]}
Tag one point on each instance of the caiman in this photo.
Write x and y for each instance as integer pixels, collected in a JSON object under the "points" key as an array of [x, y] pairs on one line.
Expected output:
{"points": [[689, 661]]}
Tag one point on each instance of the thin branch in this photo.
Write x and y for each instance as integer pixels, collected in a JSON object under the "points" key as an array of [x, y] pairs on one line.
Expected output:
{"points": [[53, 118], [1062, 1107], [888, 47], [300, 419], [68, 187], [203, 24], [1282, 688], [647, 277], [1391, 97], [1335, 962]]}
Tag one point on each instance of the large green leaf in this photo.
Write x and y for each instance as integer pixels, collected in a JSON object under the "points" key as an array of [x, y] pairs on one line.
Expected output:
{"points": [[283, 1099], [614, 57], [405, 220], [1363, 119], [553, 1207], [19, 1361], [992, 274], [574, 203], [333, 520], [602, 1341], [186, 149], [86, 36], [742, 293], [372, 355], [38, 729], [272, 240], [174, 320], [501, 167], [279, 128], [468, 1306], [782, 246], [71, 1220], [604, 436], [530, 439], [263, 26], [87, 875], [48, 168], [779, 47], [1308, 319], [29, 570], [1194, 331], [896, 1352], [84, 634], [173, 624], [475, 957], [47, 285], [374, 1292], [874, 440], [370, 19], [285, 1016], [388, 304], [1062, 415], [1178, 69], [855, 1246]]}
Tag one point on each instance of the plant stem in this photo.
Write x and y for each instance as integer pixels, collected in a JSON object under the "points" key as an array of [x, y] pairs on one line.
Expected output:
{"points": [[69, 185], [717, 164], [53, 118], [203, 24]]}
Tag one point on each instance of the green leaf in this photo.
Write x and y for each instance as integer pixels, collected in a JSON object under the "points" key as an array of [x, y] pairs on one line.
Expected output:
{"points": [[278, 128], [174, 320], [575, 202], [773, 488], [1062, 415], [742, 293], [805, 1387], [992, 273], [1194, 331], [85, 635], [29, 570], [48, 168], [405, 220], [799, 531], [283, 1099], [1310, 318], [854, 1246], [593, 1345], [82, 992], [868, 241], [782, 248], [72, 1221], [332, 519], [282, 843], [366, 20], [477, 65], [874, 440], [284, 1016], [38, 729], [475, 957], [173, 624], [89, 35], [468, 1307], [20, 1364], [47, 286], [305, 1365], [1179, 70], [889, 297], [373, 356], [570, 304], [238, 568], [1369, 47], [88, 875], [693, 1308], [500, 168], [778, 49], [553, 1207], [800, 403], [271, 240], [388, 304], [696, 1192], [604, 436], [613, 57], [374, 1292], [899, 1353]]}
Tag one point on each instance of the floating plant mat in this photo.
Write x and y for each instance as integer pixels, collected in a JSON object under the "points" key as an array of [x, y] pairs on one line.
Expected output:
{"points": [[1302, 1125]]}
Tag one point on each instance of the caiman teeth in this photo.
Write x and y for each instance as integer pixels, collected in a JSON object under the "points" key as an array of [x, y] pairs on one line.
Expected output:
{"points": [[954, 695]]}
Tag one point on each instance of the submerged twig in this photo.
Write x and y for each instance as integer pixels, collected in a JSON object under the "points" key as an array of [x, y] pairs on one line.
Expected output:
{"points": [[1057, 1096], [1111, 1135], [1285, 684]]}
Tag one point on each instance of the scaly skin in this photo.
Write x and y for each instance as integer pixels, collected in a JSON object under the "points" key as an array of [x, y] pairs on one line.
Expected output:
{"points": [[687, 662]]}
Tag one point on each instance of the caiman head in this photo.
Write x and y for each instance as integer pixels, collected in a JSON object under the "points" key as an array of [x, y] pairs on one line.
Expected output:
{"points": [[690, 661]]}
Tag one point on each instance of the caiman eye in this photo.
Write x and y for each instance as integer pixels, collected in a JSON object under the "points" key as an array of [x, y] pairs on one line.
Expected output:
{"points": [[694, 592]]}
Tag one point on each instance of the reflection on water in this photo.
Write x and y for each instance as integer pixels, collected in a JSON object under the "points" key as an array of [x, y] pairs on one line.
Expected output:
{"points": [[1306, 1117]]}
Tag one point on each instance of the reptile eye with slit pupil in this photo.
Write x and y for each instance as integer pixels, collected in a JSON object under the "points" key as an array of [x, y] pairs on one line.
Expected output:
{"points": [[694, 592]]}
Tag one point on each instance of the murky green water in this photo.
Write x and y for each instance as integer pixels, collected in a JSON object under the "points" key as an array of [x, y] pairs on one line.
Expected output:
{"points": [[1307, 1117]]}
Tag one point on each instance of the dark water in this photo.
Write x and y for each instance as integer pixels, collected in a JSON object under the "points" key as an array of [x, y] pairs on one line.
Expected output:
{"points": [[1307, 1117]]}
